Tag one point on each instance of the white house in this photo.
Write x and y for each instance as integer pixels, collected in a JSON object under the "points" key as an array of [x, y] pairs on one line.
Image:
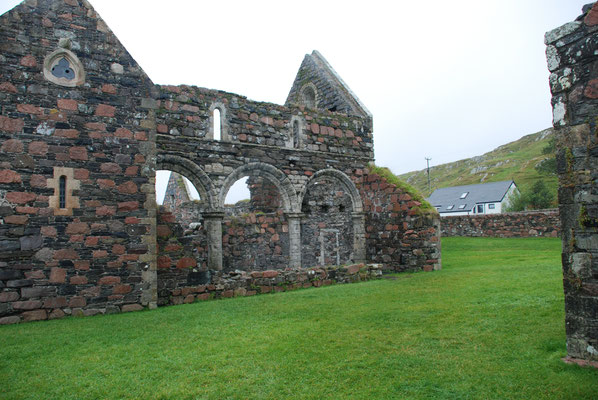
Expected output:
{"points": [[483, 198]]}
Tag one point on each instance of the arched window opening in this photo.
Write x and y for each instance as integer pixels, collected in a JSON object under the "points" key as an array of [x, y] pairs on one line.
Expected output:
{"points": [[308, 97], [62, 192], [295, 134], [217, 124]]}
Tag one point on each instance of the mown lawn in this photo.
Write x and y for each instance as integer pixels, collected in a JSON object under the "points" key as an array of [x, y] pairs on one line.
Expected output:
{"points": [[488, 326]]}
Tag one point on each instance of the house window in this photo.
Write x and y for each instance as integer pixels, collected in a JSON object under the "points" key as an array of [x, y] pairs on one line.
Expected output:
{"points": [[450, 207], [491, 206], [62, 192], [464, 195], [462, 206], [480, 209], [308, 96]]}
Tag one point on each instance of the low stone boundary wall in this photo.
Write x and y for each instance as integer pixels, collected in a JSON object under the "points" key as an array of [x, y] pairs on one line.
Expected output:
{"points": [[539, 223], [240, 283]]}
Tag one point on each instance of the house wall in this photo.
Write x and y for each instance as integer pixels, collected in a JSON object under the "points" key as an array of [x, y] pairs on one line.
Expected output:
{"points": [[573, 63]]}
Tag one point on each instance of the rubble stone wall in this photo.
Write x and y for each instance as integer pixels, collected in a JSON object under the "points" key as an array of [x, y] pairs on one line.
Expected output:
{"points": [[543, 223], [573, 62]]}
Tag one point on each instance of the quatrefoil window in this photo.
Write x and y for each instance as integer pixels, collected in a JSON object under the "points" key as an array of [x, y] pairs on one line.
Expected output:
{"points": [[63, 70]]}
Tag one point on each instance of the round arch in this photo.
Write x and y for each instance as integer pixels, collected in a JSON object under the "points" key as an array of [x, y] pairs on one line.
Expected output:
{"points": [[274, 175], [343, 179], [191, 171]]}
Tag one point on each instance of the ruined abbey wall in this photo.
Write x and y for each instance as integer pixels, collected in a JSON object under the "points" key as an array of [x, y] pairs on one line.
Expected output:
{"points": [[83, 130], [573, 63]]}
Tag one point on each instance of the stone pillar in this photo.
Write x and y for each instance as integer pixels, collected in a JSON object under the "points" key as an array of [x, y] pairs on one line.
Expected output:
{"points": [[294, 221], [573, 62], [358, 237], [213, 223]]}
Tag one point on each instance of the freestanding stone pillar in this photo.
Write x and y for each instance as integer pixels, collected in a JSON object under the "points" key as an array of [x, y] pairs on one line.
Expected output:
{"points": [[213, 223], [358, 237], [572, 55], [294, 220]]}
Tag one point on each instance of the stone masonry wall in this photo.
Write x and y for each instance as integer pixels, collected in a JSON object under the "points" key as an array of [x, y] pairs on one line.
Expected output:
{"points": [[96, 254], [572, 54], [399, 234], [545, 223]]}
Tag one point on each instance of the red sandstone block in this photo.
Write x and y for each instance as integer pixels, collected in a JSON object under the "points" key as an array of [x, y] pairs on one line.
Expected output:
{"points": [[132, 171], [38, 148], [67, 104], [77, 301], [75, 228], [10, 320], [105, 211], [128, 206], [28, 61], [56, 314], [189, 299], [35, 315], [265, 289], [67, 133], [78, 153], [6, 297], [11, 125], [38, 181], [132, 220], [163, 231], [91, 241], [99, 254], [57, 275], [161, 128], [20, 197], [115, 264], [173, 247], [228, 293], [203, 296], [29, 109], [96, 126], [55, 302], [118, 249], [270, 274], [186, 262], [81, 265], [123, 133], [105, 183], [128, 187], [27, 305], [104, 110], [591, 18], [132, 307], [12, 146], [109, 280], [121, 289], [9, 176], [108, 88], [78, 280], [16, 219], [164, 262], [139, 158], [7, 87]]}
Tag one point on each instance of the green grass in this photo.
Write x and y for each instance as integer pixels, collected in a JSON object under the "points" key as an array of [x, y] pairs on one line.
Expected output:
{"points": [[490, 325], [515, 160]]}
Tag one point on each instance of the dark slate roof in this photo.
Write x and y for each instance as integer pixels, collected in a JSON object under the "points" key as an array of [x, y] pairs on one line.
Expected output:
{"points": [[492, 192]]}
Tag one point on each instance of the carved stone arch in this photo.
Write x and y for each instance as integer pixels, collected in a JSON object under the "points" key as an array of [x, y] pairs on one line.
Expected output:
{"points": [[277, 177], [194, 173], [308, 95], [343, 179]]}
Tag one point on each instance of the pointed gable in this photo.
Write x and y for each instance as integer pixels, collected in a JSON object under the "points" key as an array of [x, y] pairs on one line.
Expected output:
{"points": [[317, 85]]}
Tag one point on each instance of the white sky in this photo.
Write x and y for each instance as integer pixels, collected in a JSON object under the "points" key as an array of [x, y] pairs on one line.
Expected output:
{"points": [[443, 79]]}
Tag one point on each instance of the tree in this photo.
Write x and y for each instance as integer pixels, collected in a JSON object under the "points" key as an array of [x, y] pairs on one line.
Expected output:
{"points": [[536, 197]]}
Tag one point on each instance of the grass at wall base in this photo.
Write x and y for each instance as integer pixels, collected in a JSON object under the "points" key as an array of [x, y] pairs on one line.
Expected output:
{"points": [[490, 325]]}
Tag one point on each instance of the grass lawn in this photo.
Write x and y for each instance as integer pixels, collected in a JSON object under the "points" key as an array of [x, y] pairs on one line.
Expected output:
{"points": [[489, 325]]}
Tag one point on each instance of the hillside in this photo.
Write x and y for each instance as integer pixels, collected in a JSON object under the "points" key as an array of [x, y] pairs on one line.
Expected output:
{"points": [[515, 160]]}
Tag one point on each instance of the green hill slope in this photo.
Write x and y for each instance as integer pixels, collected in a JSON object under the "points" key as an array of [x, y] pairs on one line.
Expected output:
{"points": [[515, 160]]}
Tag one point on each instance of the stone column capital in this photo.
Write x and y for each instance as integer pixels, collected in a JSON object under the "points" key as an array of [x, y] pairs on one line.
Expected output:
{"points": [[213, 215], [294, 214]]}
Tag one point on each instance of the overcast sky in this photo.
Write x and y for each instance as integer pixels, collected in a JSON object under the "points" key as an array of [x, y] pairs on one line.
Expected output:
{"points": [[443, 79]]}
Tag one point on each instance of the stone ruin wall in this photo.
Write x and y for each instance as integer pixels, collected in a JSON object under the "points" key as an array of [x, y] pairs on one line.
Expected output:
{"points": [[96, 254], [105, 132], [572, 54], [541, 223]]}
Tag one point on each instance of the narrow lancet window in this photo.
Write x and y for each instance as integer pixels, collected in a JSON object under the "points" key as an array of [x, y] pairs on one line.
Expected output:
{"points": [[62, 192], [296, 134], [217, 124]]}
